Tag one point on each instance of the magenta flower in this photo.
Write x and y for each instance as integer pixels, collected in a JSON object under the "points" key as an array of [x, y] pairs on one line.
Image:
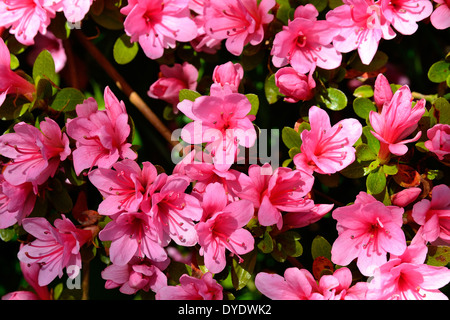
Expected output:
{"points": [[434, 216], [132, 234], [101, 135], [35, 154], [173, 211], [158, 25], [203, 42], [55, 248], [439, 18], [293, 85], [227, 74], [191, 288], [125, 188], [382, 91], [327, 149], [224, 229], [367, 230], [439, 140], [171, 81], [240, 22], [306, 43], [222, 122], [362, 25], [272, 194], [405, 197], [137, 275], [403, 15], [396, 122], [11, 82]]}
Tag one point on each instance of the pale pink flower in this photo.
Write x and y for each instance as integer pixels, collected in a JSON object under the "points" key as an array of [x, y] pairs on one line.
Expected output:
{"points": [[74, 10], [101, 135], [327, 149], [25, 18], [35, 154], [306, 43], [299, 284], [403, 15], [396, 122], [11, 82], [406, 277], [367, 230], [434, 216], [440, 16], [240, 22], [132, 234], [171, 81], [222, 122], [55, 248], [293, 85], [125, 188], [191, 288], [284, 190], [138, 274], [224, 230], [439, 140], [362, 25], [158, 25]]}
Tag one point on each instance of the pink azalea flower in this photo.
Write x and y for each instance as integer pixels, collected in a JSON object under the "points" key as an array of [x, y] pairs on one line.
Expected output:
{"points": [[16, 202], [171, 81], [327, 149], [222, 122], [306, 43], [125, 188], [362, 25], [295, 86], [434, 216], [224, 229], [55, 248], [405, 197], [26, 18], [404, 14], [240, 22], [271, 194], [132, 234], [367, 231], [382, 91], [173, 211], [101, 135], [137, 275], [396, 122], [439, 140], [11, 82], [35, 154], [158, 25], [191, 288], [299, 284], [305, 217], [227, 74], [74, 10], [440, 16], [405, 277]]}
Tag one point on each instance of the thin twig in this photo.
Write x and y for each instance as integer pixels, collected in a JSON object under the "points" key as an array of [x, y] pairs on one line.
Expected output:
{"points": [[122, 84]]}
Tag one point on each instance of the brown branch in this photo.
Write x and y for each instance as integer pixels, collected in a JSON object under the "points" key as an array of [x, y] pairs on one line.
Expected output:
{"points": [[121, 83]]}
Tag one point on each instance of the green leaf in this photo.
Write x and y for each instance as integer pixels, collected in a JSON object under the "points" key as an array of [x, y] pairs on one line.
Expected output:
{"points": [[320, 247], [334, 99], [364, 91], [67, 99], [368, 138], [438, 256], [365, 153], [285, 11], [44, 67], [439, 71], [14, 63], [390, 169], [254, 101], [376, 182], [266, 244], [13, 107], [124, 51], [320, 4], [271, 90], [440, 112], [7, 234], [190, 95], [291, 138], [293, 151], [363, 106], [287, 245], [241, 272], [356, 170]]}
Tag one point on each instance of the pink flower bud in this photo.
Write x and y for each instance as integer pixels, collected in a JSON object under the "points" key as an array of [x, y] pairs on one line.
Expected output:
{"points": [[295, 86]]}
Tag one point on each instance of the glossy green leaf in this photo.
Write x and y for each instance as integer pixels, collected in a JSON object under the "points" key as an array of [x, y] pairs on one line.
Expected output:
{"points": [[266, 244], [438, 256], [291, 138], [254, 101], [67, 99], [365, 153], [124, 51], [241, 272], [190, 95], [334, 99], [363, 106], [44, 67], [320, 247], [271, 90], [376, 182], [364, 91], [439, 71]]}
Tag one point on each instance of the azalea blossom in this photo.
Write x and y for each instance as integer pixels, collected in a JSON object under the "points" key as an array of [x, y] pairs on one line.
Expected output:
{"points": [[158, 25], [439, 18], [293, 85], [305, 216], [382, 92], [439, 140], [306, 43], [403, 15], [191, 288], [367, 230], [53, 45], [74, 10], [327, 149], [101, 135], [203, 42], [240, 22], [171, 81], [55, 248], [433, 215], [227, 74], [405, 197], [35, 154]]}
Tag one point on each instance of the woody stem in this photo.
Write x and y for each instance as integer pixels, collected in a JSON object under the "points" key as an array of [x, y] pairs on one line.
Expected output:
{"points": [[121, 83]]}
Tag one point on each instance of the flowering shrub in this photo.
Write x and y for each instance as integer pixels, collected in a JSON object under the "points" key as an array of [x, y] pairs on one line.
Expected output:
{"points": [[135, 149]]}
